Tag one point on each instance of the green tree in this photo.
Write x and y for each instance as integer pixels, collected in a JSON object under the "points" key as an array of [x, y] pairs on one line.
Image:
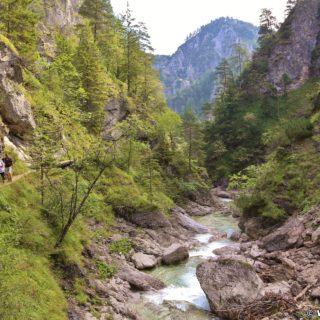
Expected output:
{"points": [[240, 57], [268, 24], [285, 82], [63, 68], [193, 136], [100, 15], [151, 173], [136, 43], [93, 77], [224, 77], [18, 23]]}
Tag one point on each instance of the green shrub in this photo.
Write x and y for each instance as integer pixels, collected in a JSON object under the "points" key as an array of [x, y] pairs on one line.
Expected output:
{"points": [[258, 204], [298, 129], [105, 271], [81, 296], [123, 246]]}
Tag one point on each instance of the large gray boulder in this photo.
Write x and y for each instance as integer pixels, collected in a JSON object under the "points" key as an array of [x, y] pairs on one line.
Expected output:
{"points": [[195, 209], [228, 284], [15, 110], [152, 220], [174, 254], [232, 249], [139, 280], [286, 237], [144, 261], [186, 222]]}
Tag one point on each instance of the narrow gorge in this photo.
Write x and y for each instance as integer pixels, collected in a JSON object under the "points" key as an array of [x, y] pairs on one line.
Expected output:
{"points": [[193, 199]]}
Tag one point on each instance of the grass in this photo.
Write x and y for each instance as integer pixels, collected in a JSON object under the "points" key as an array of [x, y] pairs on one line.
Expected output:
{"points": [[8, 44], [29, 289]]}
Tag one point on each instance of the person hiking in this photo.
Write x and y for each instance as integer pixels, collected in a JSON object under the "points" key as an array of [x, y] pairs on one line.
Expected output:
{"points": [[8, 162], [2, 170]]}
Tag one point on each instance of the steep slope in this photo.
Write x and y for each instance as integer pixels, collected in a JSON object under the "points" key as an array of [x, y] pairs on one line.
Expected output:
{"points": [[187, 74], [265, 139], [293, 51], [270, 133], [102, 144]]}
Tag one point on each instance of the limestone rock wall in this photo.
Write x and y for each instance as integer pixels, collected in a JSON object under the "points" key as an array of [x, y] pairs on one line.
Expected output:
{"points": [[15, 110], [295, 55]]}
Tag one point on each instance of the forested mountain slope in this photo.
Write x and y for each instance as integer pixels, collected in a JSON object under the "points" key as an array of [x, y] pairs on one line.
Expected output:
{"points": [[267, 122], [82, 112], [188, 75]]}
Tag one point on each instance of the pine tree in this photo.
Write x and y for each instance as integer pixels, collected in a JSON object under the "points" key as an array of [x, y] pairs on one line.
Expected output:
{"points": [[137, 46], [224, 77], [268, 24], [69, 79], [18, 23], [100, 15], [93, 76], [194, 137], [131, 46], [240, 57]]}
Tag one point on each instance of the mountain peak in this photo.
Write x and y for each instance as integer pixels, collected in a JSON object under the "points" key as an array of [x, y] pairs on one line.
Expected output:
{"points": [[194, 60]]}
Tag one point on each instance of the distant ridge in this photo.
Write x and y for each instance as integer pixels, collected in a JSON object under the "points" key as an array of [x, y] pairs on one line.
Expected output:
{"points": [[188, 73]]}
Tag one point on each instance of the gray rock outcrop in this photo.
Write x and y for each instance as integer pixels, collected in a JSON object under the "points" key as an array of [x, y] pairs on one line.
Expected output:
{"points": [[286, 237], [294, 52], [15, 110]]}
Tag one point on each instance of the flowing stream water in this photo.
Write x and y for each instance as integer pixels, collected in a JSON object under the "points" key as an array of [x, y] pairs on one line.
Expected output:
{"points": [[183, 298]]}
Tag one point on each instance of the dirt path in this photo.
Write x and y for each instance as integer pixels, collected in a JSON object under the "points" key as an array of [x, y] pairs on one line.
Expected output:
{"points": [[14, 179]]}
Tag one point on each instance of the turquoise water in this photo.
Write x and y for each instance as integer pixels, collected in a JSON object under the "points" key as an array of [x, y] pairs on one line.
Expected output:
{"points": [[183, 297]]}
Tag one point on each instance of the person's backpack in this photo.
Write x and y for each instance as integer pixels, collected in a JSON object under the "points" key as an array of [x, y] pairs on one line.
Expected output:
{"points": [[8, 162]]}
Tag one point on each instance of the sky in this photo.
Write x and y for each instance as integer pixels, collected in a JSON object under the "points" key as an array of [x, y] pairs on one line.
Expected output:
{"points": [[170, 21]]}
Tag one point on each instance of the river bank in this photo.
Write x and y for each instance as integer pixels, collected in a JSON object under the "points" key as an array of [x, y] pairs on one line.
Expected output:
{"points": [[170, 288], [273, 277]]}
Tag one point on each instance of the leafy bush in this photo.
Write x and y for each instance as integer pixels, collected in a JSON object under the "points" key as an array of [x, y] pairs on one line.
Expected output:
{"points": [[298, 129], [123, 246], [105, 271], [259, 204]]}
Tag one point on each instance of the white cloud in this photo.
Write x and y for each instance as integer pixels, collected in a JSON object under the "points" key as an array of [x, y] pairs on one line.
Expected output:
{"points": [[170, 21]]}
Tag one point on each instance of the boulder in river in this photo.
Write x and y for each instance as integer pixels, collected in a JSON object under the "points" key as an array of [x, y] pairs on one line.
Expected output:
{"points": [[139, 280], [232, 249], [174, 254], [186, 222], [228, 284], [195, 209], [144, 261]]}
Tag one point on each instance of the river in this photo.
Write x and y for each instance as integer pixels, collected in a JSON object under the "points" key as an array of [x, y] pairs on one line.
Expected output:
{"points": [[183, 298]]}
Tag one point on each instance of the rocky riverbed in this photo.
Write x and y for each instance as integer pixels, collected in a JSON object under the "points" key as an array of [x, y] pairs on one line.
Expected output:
{"points": [[159, 242], [240, 276], [276, 276]]}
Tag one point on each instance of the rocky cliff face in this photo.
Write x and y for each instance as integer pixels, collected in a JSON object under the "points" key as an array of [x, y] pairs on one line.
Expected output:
{"points": [[57, 15], [200, 55], [296, 48], [62, 14], [15, 110]]}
